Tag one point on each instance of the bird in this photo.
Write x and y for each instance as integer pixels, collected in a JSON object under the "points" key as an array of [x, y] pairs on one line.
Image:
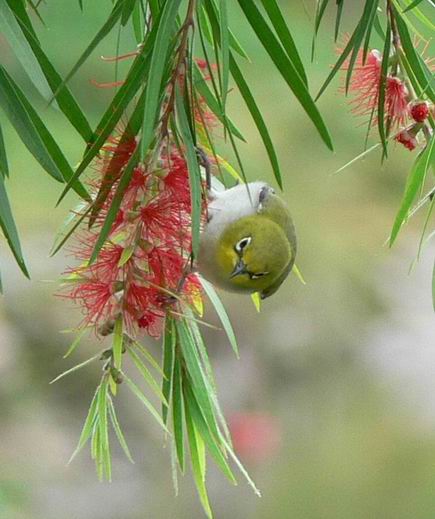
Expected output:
{"points": [[249, 242]]}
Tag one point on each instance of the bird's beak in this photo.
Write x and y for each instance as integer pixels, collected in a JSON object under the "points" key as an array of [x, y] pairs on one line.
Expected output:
{"points": [[240, 268]]}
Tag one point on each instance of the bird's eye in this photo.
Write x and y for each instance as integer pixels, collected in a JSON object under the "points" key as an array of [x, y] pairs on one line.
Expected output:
{"points": [[243, 243], [259, 275]]}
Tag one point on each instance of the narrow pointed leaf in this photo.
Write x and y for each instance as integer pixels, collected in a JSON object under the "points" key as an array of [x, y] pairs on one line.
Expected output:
{"points": [[178, 413], [7, 224], [424, 77], [118, 430], [166, 27], [168, 363], [136, 391], [75, 368], [197, 466], [413, 184], [212, 103], [33, 132], [223, 316], [225, 50], [284, 35], [149, 379], [382, 88], [340, 5], [197, 375], [75, 342], [101, 34], [212, 443], [257, 117], [4, 168], [194, 172], [11, 29], [102, 412], [88, 425], [65, 100], [285, 67], [117, 343], [20, 12]]}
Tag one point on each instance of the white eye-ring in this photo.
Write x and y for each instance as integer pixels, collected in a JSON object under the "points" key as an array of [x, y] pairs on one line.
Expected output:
{"points": [[259, 275], [243, 243]]}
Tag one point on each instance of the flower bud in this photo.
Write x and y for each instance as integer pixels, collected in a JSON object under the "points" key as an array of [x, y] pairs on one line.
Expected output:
{"points": [[419, 111], [407, 139]]}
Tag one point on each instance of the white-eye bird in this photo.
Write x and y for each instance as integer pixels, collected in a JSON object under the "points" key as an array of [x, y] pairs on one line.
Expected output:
{"points": [[249, 242]]}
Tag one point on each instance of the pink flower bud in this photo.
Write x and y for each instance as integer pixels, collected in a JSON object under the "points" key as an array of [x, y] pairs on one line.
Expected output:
{"points": [[419, 111]]}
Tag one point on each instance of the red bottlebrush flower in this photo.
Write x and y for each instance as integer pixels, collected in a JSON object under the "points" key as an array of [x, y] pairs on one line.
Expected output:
{"points": [[419, 111], [365, 86], [146, 256], [365, 83], [396, 97], [407, 139]]}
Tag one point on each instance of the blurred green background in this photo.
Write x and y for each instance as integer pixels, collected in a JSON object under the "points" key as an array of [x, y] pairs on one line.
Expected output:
{"points": [[342, 368]]}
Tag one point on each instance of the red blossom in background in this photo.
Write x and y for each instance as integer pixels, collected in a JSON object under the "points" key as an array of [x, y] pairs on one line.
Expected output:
{"points": [[399, 108], [257, 437], [146, 255]]}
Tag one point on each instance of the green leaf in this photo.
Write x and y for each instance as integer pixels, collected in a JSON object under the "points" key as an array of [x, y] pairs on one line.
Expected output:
{"points": [[193, 168], [223, 316], [7, 224], [33, 132], [76, 367], [353, 43], [199, 381], [4, 168], [225, 50], [138, 393], [114, 112], [87, 426], [197, 464], [117, 343], [145, 353], [419, 14], [364, 26], [212, 11], [65, 99], [118, 430], [340, 5], [213, 104], [382, 87], [422, 74], [102, 412], [412, 5], [149, 379], [201, 426], [178, 413], [75, 342], [166, 27], [320, 11], [129, 6], [137, 23], [20, 12], [101, 34], [257, 117], [11, 29], [285, 67], [284, 35], [413, 184], [168, 362]]}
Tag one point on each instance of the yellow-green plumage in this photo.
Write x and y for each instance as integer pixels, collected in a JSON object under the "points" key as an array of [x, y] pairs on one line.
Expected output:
{"points": [[249, 242]]}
